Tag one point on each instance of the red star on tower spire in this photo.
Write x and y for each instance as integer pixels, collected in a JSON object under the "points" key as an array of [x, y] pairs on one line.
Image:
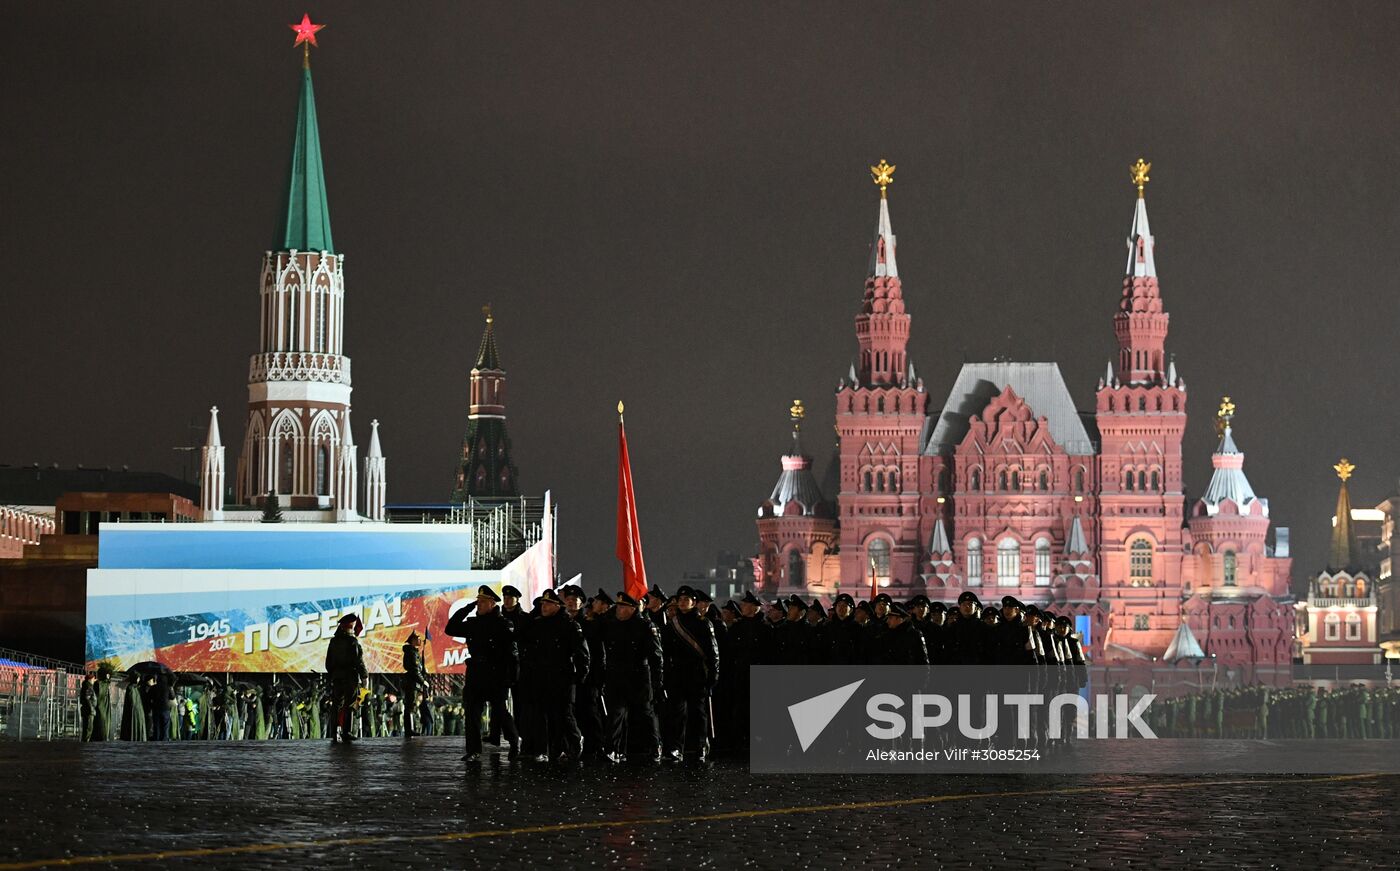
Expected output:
{"points": [[306, 37]]}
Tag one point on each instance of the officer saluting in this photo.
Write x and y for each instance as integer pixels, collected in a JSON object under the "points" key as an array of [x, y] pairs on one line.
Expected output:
{"points": [[491, 671]]}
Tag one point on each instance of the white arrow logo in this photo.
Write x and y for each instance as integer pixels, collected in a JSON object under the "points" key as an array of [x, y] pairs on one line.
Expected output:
{"points": [[811, 716]]}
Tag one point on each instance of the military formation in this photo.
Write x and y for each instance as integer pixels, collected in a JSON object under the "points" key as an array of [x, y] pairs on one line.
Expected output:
{"points": [[1356, 712], [667, 677]]}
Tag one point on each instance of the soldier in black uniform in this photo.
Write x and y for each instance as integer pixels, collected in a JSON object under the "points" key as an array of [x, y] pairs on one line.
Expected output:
{"points": [[519, 618], [745, 646], [936, 633], [655, 603], [492, 670], [901, 643], [345, 664], [634, 676], [792, 642], [692, 667], [415, 681], [588, 697], [842, 638], [967, 636], [1014, 645], [556, 655]]}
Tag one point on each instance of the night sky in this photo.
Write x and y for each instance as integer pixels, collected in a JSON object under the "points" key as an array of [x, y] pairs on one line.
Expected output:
{"points": [[669, 204]]}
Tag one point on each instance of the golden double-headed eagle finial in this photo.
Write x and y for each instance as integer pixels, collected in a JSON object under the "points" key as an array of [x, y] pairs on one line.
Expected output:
{"points": [[1344, 469], [797, 412], [1140, 171], [1224, 415], [882, 174]]}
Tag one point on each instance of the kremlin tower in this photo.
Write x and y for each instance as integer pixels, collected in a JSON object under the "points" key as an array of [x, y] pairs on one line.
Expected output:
{"points": [[298, 448], [486, 469], [796, 529]]}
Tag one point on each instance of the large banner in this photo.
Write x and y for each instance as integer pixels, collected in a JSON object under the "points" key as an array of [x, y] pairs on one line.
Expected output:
{"points": [[244, 597]]}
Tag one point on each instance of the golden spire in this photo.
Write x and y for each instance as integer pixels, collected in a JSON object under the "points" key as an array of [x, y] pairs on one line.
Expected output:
{"points": [[619, 411], [883, 175], [1140, 171], [1344, 469], [797, 412], [1224, 415], [486, 310]]}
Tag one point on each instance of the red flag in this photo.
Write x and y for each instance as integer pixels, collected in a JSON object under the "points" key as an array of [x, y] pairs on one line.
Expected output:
{"points": [[629, 536]]}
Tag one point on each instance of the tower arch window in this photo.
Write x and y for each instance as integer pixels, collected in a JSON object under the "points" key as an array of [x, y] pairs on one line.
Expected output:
{"points": [[323, 468], [1142, 480], [1008, 562], [1142, 403], [1002, 481], [1140, 563], [878, 561], [1015, 479], [1079, 480], [880, 481], [287, 457], [880, 405], [1044, 480], [1229, 561], [1353, 627], [975, 480], [1042, 562], [1129, 479], [1156, 481], [1332, 626], [974, 562]]}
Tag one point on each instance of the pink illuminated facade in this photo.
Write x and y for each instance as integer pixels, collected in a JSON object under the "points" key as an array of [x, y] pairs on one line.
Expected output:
{"points": [[1007, 488]]}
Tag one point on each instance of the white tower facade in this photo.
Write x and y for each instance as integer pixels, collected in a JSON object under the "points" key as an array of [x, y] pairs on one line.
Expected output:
{"points": [[211, 478], [375, 484]]}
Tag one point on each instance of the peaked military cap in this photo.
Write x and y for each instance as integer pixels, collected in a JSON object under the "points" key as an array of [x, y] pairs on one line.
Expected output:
{"points": [[655, 592], [989, 611], [795, 599], [550, 596], [624, 599], [489, 593], [918, 600], [751, 598], [843, 597], [702, 596], [969, 596], [863, 606], [883, 597], [603, 596], [898, 611], [1010, 602], [937, 606], [508, 590], [683, 590], [731, 606], [817, 606]]}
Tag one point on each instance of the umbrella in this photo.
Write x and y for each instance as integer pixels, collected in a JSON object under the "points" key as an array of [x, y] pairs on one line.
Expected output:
{"points": [[151, 668]]}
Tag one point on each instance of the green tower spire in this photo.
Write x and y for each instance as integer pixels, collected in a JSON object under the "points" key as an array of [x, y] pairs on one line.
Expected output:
{"points": [[306, 219]]}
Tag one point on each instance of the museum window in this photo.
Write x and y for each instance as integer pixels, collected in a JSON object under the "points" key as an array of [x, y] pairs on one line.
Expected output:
{"points": [[1140, 621], [1332, 624], [1002, 482], [1042, 562], [1129, 479], [1008, 562], [323, 465], [1140, 556], [1142, 481], [868, 482], [1044, 481], [1229, 568], [878, 561], [1156, 481], [1079, 480], [975, 480], [974, 562], [1015, 480], [1353, 627]]}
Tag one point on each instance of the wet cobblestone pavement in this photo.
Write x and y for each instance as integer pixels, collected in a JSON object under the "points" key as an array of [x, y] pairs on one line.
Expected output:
{"points": [[387, 802]]}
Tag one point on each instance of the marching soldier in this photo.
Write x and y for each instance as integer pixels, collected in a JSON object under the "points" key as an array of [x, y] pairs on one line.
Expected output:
{"points": [[588, 699], [745, 647], [967, 638], [557, 660], [492, 670], [901, 643], [842, 640], [634, 676], [791, 641], [692, 667]]}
